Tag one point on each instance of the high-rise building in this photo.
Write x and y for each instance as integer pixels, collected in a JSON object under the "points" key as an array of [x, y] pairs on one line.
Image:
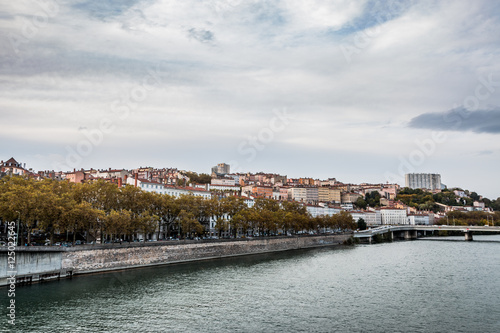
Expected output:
{"points": [[220, 169], [429, 181]]}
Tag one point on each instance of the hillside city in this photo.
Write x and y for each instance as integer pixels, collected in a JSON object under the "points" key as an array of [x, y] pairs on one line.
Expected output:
{"points": [[419, 203]]}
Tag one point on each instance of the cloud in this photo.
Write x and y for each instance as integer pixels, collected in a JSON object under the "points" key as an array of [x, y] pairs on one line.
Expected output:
{"points": [[89, 58], [461, 120], [485, 152], [202, 35], [104, 9]]}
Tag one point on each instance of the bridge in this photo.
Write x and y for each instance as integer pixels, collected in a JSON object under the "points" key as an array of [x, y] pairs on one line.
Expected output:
{"points": [[412, 231]]}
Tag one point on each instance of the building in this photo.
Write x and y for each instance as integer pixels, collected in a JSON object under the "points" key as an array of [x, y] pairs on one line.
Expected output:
{"points": [[393, 216], [220, 169], [324, 194], [429, 181], [175, 191], [322, 210], [112, 173], [263, 191], [420, 219], [223, 181], [12, 167], [303, 194], [223, 188], [350, 197], [76, 176]]}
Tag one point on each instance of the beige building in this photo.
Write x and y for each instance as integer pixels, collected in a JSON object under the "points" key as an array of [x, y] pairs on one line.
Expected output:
{"points": [[350, 197], [323, 194]]}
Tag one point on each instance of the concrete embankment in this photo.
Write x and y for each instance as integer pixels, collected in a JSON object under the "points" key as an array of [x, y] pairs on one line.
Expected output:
{"points": [[43, 263]]}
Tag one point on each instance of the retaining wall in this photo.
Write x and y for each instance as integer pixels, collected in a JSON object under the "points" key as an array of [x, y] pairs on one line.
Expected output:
{"points": [[35, 263]]}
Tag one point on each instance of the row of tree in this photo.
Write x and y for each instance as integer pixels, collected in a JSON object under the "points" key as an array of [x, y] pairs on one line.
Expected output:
{"points": [[101, 210], [423, 200], [472, 218]]}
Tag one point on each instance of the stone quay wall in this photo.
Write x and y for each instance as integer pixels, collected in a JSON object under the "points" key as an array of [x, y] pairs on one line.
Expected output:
{"points": [[36, 262]]}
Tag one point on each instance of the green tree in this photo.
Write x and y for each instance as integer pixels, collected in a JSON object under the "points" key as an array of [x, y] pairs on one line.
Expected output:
{"points": [[361, 224], [189, 224]]}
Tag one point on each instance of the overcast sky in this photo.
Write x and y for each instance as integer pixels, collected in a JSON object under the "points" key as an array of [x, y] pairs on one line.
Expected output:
{"points": [[363, 91]]}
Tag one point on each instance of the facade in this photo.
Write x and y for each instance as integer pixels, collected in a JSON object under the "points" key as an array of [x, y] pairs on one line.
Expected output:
{"points": [[419, 219], [156, 187], [221, 169], [263, 191], [429, 181], [350, 197], [335, 195], [76, 176], [223, 188], [393, 216], [303, 194], [298, 194], [284, 193], [223, 181], [373, 217], [11, 166], [312, 194], [112, 173], [323, 194], [321, 210]]}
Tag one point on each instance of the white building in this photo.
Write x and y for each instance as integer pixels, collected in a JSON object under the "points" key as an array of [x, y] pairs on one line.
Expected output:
{"points": [[178, 191], [347, 206], [419, 219], [393, 216], [370, 217], [152, 186], [304, 194], [223, 181], [231, 188], [112, 173], [429, 181], [321, 210]]}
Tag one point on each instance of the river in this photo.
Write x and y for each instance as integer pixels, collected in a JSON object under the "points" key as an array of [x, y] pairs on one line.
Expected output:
{"points": [[408, 286]]}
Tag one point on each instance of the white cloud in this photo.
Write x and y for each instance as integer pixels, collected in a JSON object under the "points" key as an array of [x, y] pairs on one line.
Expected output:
{"points": [[224, 66]]}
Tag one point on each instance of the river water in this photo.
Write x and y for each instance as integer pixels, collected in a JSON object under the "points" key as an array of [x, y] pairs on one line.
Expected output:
{"points": [[409, 286]]}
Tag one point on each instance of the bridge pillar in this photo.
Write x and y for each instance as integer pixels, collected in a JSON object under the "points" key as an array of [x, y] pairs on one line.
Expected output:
{"points": [[392, 235], [410, 234], [468, 236]]}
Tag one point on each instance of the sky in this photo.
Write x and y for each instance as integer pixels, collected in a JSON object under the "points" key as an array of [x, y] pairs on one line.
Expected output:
{"points": [[360, 91]]}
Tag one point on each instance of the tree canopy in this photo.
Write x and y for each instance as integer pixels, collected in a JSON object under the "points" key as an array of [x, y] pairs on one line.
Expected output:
{"points": [[101, 211]]}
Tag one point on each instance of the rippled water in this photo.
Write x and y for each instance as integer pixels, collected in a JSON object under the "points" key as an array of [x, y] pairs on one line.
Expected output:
{"points": [[415, 286]]}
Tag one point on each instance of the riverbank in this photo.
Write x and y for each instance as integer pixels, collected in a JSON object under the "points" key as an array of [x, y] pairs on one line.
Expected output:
{"points": [[35, 264]]}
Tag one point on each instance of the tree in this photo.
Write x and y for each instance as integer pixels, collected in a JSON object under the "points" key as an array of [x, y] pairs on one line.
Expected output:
{"points": [[343, 220], [201, 178], [361, 224], [118, 223], [474, 196], [361, 203], [188, 224]]}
